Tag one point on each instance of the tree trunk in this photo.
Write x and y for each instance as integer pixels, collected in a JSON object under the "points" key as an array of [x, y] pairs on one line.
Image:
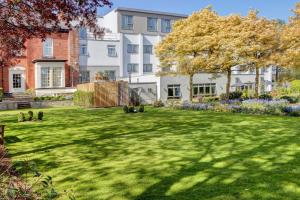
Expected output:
{"points": [[256, 81], [191, 86], [228, 83]]}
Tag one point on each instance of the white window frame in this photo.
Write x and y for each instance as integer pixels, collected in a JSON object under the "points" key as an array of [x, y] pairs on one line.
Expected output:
{"points": [[109, 53], [127, 22], [204, 86], [152, 27], [48, 45], [174, 87], [51, 78]]}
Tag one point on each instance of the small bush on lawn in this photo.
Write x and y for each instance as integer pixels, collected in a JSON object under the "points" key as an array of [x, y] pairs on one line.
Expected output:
{"points": [[141, 108], [85, 99], [158, 104], [125, 109], [21, 117], [40, 115], [30, 114], [131, 109]]}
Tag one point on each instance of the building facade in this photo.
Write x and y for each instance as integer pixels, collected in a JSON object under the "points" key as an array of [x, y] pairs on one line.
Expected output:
{"points": [[47, 67], [126, 52]]}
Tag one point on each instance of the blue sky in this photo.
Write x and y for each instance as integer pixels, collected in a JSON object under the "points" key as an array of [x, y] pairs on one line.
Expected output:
{"points": [[274, 9]]}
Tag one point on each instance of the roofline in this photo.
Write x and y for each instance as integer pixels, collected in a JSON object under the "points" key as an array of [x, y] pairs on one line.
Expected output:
{"points": [[150, 12]]}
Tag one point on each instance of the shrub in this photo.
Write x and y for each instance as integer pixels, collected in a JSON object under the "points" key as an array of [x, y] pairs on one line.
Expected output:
{"points": [[232, 95], [131, 109], [30, 113], [21, 117], [158, 104], [290, 99], [295, 86], [141, 108], [1, 94], [210, 99], [125, 109], [85, 99], [40, 115], [265, 97]]}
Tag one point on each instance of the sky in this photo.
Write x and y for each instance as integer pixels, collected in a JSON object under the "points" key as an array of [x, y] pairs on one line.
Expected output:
{"points": [[273, 9]]}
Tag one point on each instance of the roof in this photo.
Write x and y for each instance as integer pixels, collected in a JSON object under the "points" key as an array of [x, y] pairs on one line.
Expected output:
{"points": [[151, 12]]}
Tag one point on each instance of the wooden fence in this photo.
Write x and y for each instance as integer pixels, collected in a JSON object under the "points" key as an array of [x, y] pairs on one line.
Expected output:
{"points": [[106, 93]]}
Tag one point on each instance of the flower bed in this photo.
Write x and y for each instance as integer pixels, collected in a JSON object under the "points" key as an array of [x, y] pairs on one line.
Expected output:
{"points": [[252, 106]]}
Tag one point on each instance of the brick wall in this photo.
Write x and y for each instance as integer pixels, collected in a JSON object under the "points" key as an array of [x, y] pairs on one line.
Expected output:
{"points": [[65, 46]]}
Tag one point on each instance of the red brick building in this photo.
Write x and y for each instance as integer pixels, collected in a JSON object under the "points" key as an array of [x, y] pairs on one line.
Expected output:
{"points": [[48, 67]]}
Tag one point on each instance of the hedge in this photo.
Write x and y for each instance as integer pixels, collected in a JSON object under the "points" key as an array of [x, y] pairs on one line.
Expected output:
{"points": [[85, 99]]}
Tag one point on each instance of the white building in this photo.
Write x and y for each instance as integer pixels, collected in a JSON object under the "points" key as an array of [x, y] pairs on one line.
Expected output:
{"points": [[126, 52]]}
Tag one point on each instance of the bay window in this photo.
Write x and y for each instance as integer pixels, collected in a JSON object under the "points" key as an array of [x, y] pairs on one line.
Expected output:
{"points": [[52, 77]]}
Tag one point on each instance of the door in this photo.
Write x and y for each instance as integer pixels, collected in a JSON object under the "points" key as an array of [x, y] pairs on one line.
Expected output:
{"points": [[17, 80]]}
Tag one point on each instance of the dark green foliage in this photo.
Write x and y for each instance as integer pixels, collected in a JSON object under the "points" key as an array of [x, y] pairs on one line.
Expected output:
{"points": [[21, 117], [125, 109], [265, 97], [50, 98], [131, 109], [40, 115], [291, 99], [142, 108], [232, 95], [158, 104], [85, 99], [30, 114]]}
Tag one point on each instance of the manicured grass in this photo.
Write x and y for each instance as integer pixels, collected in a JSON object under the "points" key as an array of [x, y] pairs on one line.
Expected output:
{"points": [[162, 154]]}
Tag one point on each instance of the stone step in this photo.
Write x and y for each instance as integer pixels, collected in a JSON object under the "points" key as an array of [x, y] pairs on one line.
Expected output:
{"points": [[24, 105]]}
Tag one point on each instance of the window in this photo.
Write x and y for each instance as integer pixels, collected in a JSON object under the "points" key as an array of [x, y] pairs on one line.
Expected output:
{"points": [[207, 89], [127, 22], [82, 33], [166, 26], [152, 24], [17, 81], [57, 77], [111, 74], [51, 77], [173, 91], [148, 49], [147, 68], [132, 48], [83, 50], [111, 51], [132, 68], [45, 77], [48, 48]]}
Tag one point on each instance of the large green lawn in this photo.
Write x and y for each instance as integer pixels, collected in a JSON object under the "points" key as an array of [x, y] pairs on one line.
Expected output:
{"points": [[162, 154]]}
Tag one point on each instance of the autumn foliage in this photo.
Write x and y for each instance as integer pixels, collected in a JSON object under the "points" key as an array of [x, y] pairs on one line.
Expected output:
{"points": [[208, 42]]}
